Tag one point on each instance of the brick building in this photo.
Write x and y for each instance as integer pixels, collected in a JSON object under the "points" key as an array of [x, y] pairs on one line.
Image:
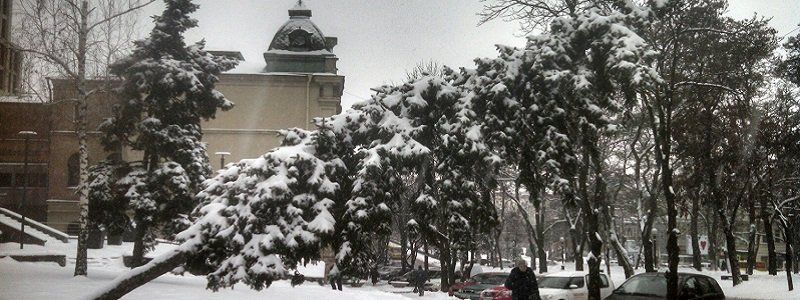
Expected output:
{"points": [[296, 81], [10, 58]]}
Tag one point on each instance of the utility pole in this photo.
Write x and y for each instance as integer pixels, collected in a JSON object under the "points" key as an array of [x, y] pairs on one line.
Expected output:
{"points": [[27, 135]]}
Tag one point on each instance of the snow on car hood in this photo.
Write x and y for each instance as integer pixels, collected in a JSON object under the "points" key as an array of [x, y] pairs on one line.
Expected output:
{"points": [[552, 292]]}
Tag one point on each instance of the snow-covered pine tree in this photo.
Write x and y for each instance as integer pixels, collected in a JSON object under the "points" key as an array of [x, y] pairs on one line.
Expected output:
{"points": [[424, 129], [107, 202], [588, 67], [167, 89], [546, 106]]}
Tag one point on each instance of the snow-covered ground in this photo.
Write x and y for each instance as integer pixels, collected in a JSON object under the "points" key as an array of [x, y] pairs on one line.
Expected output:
{"points": [[24, 281]]}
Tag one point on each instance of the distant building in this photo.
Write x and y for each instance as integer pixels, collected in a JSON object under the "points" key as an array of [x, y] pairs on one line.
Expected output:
{"points": [[16, 116], [10, 58], [297, 82]]}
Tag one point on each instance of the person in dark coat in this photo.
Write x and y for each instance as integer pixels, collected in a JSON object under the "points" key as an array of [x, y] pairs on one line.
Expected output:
{"points": [[375, 275], [335, 278], [419, 277], [522, 282]]}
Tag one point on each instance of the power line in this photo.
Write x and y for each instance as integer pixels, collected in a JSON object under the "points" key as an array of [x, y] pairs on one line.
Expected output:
{"points": [[354, 95]]}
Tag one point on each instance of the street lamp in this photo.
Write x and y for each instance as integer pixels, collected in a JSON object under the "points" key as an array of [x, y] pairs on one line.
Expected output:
{"points": [[222, 158], [563, 255], [27, 135], [654, 234]]}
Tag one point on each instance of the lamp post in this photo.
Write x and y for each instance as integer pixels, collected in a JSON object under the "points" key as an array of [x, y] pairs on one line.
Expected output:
{"points": [[654, 234], [222, 155], [27, 135], [563, 256]]}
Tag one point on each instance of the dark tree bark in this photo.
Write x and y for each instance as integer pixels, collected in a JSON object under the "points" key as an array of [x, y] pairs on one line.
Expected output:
{"points": [[752, 241], [540, 252], [696, 259], [137, 257], [144, 274], [789, 262], [772, 259]]}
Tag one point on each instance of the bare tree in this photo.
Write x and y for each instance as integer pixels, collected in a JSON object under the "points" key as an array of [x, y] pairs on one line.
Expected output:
{"points": [[75, 40], [533, 15]]}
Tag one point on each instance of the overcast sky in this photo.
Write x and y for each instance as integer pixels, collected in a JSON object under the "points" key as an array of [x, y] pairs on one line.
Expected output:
{"points": [[380, 39]]}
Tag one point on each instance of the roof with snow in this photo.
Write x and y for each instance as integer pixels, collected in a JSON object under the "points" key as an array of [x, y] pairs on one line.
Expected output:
{"points": [[299, 34]]}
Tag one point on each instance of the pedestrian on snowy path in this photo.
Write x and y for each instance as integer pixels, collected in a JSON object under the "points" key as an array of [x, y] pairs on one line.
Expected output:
{"points": [[419, 277], [522, 282], [335, 278], [375, 275]]}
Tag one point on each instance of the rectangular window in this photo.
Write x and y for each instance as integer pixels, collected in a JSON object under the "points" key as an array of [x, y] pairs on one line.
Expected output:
{"points": [[6, 179], [34, 180]]}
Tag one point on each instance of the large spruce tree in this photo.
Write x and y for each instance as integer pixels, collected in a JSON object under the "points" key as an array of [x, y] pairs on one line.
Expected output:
{"points": [[167, 90]]}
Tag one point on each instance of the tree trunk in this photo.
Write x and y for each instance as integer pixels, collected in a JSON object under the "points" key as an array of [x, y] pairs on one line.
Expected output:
{"points": [[137, 257], [141, 275], [647, 247], [425, 248], [81, 261], [663, 155], [712, 240], [592, 224], [789, 255], [772, 259], [696, 258], [466, 276], [752, 241], [403, 249], [540, 251], [615, 243], [577, 249], [730, 241]]}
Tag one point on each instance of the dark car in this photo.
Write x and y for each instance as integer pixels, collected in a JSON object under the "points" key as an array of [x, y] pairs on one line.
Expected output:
{"points": [[473, 288], [654, 286], [404, 280]]}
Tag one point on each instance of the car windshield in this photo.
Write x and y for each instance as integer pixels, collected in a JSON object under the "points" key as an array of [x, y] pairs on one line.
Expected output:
{"points": [[644, 285], [490, 278], [552, 282]]}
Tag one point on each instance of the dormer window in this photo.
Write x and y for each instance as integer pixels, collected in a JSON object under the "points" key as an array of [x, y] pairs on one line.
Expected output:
{"points": [[298, 39]]}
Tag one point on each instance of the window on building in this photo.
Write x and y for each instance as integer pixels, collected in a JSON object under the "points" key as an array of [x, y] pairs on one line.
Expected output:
{"points": [[73, 170], [6, 179], [16, 65], [337, 90], [321, 91]]}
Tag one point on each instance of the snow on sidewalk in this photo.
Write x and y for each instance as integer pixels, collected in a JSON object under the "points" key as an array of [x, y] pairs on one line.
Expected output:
{"points": [[23, 281]]}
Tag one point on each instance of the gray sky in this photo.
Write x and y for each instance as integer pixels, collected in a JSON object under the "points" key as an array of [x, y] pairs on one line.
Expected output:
{"points": [[380, 39]]}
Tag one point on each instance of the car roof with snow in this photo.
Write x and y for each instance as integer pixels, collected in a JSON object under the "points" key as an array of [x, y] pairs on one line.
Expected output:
{"points": [[567, 274]]}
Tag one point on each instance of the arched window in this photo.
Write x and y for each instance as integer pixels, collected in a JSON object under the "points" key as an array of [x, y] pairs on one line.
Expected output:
{"points": [[73, 170]]}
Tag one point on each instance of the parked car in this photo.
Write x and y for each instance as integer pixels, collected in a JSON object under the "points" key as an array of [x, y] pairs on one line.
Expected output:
{"points": [[571, 286], [472, 289], [557, 286], [654, 286], [404, 280], [496, 293], [389, 272]]}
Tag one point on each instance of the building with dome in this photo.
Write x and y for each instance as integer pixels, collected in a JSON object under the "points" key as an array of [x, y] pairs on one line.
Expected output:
{"points": [[296, 82]]}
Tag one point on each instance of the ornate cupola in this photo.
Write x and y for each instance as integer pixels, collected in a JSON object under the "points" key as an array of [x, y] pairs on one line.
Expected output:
{"points": [[300, 47]]}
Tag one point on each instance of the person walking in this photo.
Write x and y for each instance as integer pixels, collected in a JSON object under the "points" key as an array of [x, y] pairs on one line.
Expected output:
{"points": [[335, 278], [522, 282], [419, 277], [375, 275]]}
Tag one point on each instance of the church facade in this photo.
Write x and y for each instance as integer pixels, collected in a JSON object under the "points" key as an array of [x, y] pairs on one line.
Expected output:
{"points": [[297, 82]]}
